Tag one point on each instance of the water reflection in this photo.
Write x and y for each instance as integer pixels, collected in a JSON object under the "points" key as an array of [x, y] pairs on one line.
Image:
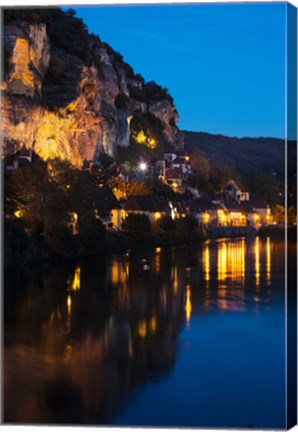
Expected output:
{"points": [[80, 338]]}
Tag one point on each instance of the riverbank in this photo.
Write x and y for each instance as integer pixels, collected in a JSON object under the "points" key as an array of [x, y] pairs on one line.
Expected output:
{"points": [[31, 251]]}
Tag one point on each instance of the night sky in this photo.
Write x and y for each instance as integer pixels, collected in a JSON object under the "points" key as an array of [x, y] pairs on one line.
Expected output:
{"points": [[224, 64]]}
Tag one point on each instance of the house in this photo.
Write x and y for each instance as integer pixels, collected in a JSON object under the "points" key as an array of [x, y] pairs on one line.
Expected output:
{"points": [[23, 157], [262, 209], [174, 177], [235, 193], [152, 206], [107, 208], [181, 163], [209, 213], [170, 157]]}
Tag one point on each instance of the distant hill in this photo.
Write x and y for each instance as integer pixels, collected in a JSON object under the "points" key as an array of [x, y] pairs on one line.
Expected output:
{"points": [[258, 164]]}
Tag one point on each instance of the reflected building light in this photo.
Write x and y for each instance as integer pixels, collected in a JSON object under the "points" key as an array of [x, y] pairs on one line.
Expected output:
{"points": [[188, 306], [157, 263], [222, 262], [69, 305], [126, 269], [206, 263], [67, 352], [142, 329], [257, 262], [175, 281], [242, 258], [76, 282], [153, 324], [69, 302], [268, 260], [117, 273]]}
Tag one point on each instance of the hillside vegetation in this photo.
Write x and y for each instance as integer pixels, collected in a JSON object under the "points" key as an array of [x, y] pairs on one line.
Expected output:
{"points": [[258, 164]]}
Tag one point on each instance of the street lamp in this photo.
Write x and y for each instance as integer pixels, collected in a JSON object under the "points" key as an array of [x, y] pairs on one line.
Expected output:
{"points": [[143, 166]]}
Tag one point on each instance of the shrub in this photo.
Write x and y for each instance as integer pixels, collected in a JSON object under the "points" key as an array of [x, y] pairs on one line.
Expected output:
{"points": [[136, 223], [166, 224]]}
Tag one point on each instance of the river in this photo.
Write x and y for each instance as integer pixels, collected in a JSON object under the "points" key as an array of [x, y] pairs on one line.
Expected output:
{"points": [[197, 341]]}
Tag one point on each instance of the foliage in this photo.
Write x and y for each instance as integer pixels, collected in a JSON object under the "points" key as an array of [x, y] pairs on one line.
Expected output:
{"points": [[155, 92], [136, 224], [106, 160], [186, 226], [150, 127], [278, 213], [44, 195], [292, 215], [255, 163], [136, 188], [166, 223], [159, 188]]}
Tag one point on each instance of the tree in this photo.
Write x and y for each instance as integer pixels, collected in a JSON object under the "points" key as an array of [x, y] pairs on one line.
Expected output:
{"points": [[136, 224], [187, 226], [166, 223], [278, 213], [292, 215]]}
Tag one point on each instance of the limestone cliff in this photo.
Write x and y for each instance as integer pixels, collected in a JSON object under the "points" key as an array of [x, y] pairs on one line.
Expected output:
{"points": [[75, 104]]}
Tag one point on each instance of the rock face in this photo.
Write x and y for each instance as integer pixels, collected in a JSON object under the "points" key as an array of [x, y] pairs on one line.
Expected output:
{"points": [[59, 106]]}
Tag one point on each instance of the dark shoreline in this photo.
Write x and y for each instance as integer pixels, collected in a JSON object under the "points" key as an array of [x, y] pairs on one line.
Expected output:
{"points": [[120, 242]]}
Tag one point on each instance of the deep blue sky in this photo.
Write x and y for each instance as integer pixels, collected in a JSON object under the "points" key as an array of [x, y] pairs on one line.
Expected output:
{"points": [[224, 64]]}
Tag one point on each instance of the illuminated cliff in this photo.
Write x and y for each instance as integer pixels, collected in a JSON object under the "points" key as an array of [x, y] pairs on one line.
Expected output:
{"points": [[67, 106]]}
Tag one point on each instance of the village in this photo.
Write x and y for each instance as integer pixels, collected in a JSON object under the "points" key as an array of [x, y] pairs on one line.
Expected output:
{"points": [[216, 214]]}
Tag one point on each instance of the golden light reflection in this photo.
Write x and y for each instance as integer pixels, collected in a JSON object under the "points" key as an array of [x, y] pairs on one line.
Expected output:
{"points": [[188, 306], [268, 260], [257, 261], [153, 324], [76, 282], [157, 263], [175, 280], [142, 329], [231, 260], [242, 258], [118, 273], [222, 262], [69, 302], [206, 263]]}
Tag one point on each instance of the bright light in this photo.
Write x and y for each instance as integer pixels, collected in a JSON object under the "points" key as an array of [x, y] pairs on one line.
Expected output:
{"points": [[143, 166]]}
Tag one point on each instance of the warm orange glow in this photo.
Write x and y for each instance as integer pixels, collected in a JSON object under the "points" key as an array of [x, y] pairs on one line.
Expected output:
{"points": [[76, 283], [222, 262], [69, 302], [231, 261], [18, 213], [153, 324], [188, 306], [206, 262], [117, 273], [175, 281], [142, 329], [257, 261], [243, 258], [157, 215], [142, 138], [187, 158], [268, 260]]}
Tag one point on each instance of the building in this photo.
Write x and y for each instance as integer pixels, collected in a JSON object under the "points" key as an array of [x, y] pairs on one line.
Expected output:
{"points": [[154, 207], [107, 208]]}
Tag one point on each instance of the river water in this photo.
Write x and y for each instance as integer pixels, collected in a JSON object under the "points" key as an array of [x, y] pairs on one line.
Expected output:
{"points": [[197, 341]]}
